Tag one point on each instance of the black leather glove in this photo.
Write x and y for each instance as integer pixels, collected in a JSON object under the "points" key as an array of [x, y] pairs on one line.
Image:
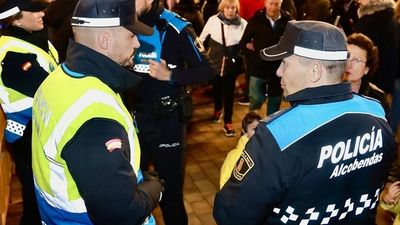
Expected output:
{"points": [[152, 187], [22, 72], [148, 176]]}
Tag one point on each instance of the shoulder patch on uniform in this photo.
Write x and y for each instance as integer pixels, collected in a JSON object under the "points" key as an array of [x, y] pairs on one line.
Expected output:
{"points": [[174, 20], [243, 166]]}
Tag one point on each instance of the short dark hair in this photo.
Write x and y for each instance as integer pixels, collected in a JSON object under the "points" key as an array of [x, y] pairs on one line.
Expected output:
{"points": [[365, 43], [248, 119]]}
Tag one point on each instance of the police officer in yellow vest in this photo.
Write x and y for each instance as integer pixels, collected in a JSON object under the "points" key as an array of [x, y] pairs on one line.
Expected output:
{"points": [[86, 155], [26, 57]]}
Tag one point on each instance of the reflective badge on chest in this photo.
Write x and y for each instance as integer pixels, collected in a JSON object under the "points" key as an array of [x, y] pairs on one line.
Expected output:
{"points": [[150, 48]]}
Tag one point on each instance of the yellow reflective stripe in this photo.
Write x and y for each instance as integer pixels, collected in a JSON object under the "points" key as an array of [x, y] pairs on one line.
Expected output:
{"points": [[58, 179], [18, 106]]}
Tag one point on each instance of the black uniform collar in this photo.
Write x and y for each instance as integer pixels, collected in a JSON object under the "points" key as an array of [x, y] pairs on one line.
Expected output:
{"points": [[83, 60], [37, 38], [323, 94]]}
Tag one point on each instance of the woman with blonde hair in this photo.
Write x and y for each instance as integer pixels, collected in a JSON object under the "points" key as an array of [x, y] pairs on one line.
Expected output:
{"points": [[225, 30]]}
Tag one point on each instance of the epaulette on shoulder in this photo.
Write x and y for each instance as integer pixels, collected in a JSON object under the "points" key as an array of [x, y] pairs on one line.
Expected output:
{"points": [[174, 20], [368, 97], [275, 115]]}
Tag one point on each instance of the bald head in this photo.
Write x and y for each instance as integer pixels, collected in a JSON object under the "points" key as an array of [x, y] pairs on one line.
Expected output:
{"points": [[330, 71], [86, 35], [117, 43], [273, 8]]}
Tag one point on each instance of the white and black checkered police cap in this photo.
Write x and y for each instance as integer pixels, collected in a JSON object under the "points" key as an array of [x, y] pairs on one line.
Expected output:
{"points": [[11, 7], [109, 13], [310, 39]]}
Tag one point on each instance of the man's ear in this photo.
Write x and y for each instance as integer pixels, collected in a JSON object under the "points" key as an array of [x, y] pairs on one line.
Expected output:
{"points": [[316, 71], [104, 39], [16, 23]]}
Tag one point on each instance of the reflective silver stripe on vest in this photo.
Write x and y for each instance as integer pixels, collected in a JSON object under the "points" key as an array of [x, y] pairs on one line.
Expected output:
{"points": [[15, 127], [4, 94], [17, 106], [58, 181]]}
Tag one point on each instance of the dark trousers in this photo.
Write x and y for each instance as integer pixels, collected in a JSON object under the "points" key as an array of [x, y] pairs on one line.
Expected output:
{"points": [[246, 83], [259, 88], [223, 91], [162, 143], [250, 69], [22, 156]]}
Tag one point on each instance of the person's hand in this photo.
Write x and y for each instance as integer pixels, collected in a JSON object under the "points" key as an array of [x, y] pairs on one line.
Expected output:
{"points": [[159, 70], [152, 187], [250, 46], [391, 197], [153, 176]]}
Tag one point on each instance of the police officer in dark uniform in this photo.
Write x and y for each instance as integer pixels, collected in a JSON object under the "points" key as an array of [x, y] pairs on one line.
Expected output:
{"points": [[322, 161], [167, 61]]}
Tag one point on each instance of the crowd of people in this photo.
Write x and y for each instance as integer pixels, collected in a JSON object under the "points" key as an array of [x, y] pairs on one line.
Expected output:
{"points": [[122, 67]]}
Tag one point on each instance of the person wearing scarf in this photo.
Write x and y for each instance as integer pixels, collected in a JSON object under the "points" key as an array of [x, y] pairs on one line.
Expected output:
{"points": [[225, 30]]}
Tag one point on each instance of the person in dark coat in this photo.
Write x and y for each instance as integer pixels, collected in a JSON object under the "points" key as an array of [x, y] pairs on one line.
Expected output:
{"points": [[190, 11], [58, 18], [316, 10], [263, 30], [395, 119], [376, 20], [344, 14], [209, 8], [166, 61]]}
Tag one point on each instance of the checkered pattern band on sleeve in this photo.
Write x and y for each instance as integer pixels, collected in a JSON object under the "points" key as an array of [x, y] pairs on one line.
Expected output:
{"points": [[330, 213], [15, 127], [141, 68]]}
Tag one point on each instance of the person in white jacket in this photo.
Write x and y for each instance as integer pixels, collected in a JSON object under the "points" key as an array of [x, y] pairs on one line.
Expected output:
{"points": [[223, 32]]}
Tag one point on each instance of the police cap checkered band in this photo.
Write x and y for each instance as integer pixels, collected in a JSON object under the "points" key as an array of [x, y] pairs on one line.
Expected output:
{"points": [[109, 13], [310, 39], [11, 7]]}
